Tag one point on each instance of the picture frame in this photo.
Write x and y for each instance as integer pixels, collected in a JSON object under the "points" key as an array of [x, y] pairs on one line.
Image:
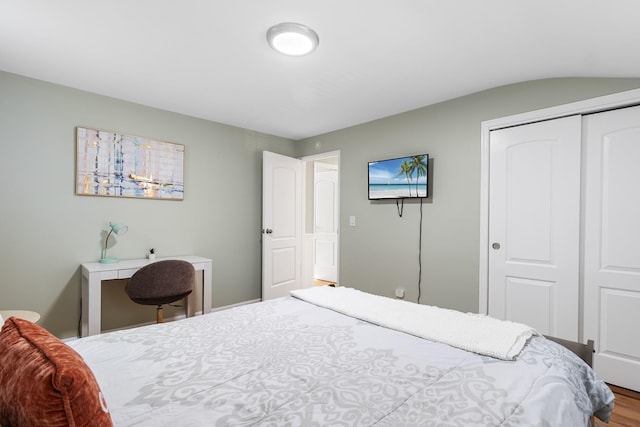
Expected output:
{"points": [[114, 164]]}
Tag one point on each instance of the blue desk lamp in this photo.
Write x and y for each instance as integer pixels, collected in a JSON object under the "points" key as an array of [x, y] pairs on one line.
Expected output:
{"points": [[119, 229]]}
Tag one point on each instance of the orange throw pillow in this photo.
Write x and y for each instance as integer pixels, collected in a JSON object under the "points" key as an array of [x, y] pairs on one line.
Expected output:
{"points": [[43, 381]]}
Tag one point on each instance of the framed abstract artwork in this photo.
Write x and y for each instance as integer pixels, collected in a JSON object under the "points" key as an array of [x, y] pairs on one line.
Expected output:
{"points": [[118, 165]]}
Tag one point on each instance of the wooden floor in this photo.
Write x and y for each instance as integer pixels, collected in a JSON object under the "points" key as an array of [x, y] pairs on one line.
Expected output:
{"points": [[318, 282], [626, 413]]}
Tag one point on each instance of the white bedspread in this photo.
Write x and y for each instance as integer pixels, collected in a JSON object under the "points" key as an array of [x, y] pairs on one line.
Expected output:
{"points": [[286, 362], [472, 332]]}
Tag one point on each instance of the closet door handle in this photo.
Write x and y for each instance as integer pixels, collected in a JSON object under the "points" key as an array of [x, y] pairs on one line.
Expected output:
{"points": [[495, 245]]}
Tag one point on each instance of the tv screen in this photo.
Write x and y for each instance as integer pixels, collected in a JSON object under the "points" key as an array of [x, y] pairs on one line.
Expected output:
{"points": [[401, 178]]}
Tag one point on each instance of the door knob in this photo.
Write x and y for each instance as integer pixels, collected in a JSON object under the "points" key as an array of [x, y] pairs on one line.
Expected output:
{"points": [[268, 231], [495, 245]]}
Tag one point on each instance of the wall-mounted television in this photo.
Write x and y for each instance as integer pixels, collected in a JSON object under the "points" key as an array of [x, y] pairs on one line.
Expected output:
{"points": [[399, 178]]}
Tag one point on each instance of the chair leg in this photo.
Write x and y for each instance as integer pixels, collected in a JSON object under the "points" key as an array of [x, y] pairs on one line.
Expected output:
{"points": [[159, 318]]}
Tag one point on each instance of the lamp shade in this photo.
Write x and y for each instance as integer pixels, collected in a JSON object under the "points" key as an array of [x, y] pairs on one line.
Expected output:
{"points": [[118, 228]]}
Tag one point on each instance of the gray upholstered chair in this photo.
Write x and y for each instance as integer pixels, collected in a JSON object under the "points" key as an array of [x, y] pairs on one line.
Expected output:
{"points": [[161, 282]]}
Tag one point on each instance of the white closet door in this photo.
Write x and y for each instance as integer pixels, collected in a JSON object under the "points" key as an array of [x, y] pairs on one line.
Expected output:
{"points": [[534, 225], [612, 244]]}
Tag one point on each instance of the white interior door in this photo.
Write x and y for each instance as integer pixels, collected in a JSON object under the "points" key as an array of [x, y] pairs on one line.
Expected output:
{"points": [[325, 233], [534, 214], [281, 225], [612, 244]]}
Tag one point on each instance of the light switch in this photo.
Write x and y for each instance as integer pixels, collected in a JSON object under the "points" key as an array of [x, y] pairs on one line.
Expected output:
{"points": [[352, 221]]}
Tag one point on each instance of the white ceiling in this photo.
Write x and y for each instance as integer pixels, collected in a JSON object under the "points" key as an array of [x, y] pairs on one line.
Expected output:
{"points": [[210, 58]]}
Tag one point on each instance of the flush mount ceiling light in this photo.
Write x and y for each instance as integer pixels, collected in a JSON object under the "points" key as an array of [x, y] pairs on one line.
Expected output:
{"points": [[292, 39]]}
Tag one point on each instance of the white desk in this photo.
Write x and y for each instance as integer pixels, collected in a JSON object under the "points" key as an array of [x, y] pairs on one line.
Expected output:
{"points": [[93, 273]]}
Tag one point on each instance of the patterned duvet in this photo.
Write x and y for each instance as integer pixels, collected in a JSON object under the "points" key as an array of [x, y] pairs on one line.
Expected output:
{"points": [[286, 362]]}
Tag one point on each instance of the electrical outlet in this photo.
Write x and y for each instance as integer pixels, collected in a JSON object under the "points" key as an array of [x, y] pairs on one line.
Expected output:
{"points": [[399, 293]]}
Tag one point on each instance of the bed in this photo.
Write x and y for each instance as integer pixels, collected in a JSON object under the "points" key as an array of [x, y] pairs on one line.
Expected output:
{"points": [[294, 362]]}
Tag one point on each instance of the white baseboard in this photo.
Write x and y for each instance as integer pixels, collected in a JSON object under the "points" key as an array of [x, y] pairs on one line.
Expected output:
{"points": [[226, 307]]}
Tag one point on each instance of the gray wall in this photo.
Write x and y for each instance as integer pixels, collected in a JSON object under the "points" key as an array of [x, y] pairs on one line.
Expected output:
{"points": [[381, 252], [46, 231]]}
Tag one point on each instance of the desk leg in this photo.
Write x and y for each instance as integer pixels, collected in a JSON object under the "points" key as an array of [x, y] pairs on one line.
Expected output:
{"points": [[206, 292], [207, 284], [91, 304]]}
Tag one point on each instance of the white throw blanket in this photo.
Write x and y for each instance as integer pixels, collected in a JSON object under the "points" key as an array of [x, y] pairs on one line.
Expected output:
{"points": [[472, 332]]}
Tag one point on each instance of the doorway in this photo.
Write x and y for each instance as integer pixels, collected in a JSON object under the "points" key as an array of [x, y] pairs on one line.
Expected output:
{"points": [[321, 222]]}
